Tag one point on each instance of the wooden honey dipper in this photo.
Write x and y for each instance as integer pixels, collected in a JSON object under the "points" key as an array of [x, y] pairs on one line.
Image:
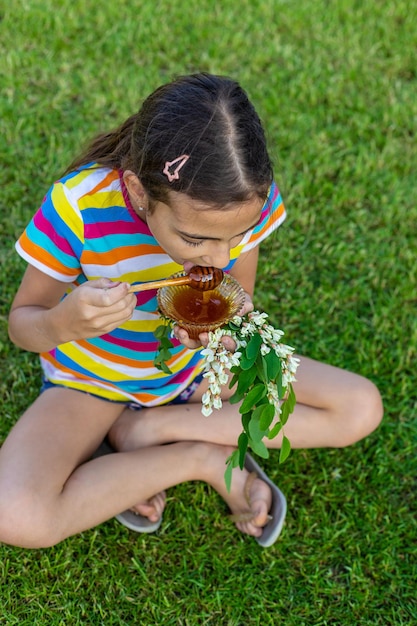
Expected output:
{"points": [[199, 277]]}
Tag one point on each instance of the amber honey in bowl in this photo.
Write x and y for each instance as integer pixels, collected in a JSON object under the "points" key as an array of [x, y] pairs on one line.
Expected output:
{"points": [[201, 311], [201, 308]]}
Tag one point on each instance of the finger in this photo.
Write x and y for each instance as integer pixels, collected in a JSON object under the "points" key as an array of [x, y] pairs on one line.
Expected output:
{"points": [[109, 318], [101, 283], [104, 293], [184, 338], [247, 306], [229, 343], [203, 337]]}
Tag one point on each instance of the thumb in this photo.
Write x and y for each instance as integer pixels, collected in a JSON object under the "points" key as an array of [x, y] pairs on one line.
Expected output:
{"points": [[247, 305]]}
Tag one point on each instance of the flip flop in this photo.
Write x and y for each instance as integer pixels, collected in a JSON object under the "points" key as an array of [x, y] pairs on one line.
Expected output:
{"points": [[278, 509], [131, 520]]}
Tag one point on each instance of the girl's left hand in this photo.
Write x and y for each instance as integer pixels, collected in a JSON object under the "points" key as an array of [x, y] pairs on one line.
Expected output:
{"points": [[193, 344]]}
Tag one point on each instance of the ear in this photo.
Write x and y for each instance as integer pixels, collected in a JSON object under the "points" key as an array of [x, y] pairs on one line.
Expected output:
{"points": [[137, 193]]}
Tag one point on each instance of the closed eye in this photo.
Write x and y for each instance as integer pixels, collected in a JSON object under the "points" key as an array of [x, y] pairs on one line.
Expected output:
{"points": [[194, 244]]}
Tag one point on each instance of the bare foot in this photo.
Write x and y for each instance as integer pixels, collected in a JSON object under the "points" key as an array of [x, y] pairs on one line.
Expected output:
{"points": [[249, 498], [152, 508], [254, 516]]}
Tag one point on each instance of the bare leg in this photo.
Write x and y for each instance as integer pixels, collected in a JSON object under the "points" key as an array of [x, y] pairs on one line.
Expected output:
{"points": [[49, 490], [334, 408]]}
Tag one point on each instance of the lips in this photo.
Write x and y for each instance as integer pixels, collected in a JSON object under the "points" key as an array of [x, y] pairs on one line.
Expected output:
{"points": [[188, 265]]}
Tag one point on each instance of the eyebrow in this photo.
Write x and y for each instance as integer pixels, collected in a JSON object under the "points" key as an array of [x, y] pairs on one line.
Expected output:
{"points": [[195, 236]]}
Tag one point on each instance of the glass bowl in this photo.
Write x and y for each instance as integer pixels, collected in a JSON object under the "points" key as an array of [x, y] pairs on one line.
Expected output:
{"points": [[201, 311]]}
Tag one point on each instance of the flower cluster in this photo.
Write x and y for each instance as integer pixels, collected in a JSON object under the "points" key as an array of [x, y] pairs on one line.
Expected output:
{"points": [[219, 360], [217, 363], [263, 370]]}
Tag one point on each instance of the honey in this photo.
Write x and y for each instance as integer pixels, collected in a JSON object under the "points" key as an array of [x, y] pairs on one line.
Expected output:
{"points": [[201, 311], [201, 308]]}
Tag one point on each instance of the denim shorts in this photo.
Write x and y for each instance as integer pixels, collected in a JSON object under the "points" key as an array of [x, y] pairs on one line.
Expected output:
{"points": [[182, 398]]}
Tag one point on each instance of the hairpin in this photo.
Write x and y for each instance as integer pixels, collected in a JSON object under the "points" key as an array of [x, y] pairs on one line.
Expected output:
{"points": [[181, 160]]}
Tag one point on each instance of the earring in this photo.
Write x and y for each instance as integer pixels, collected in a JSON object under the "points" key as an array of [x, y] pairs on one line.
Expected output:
{"points": [[140, 208]]}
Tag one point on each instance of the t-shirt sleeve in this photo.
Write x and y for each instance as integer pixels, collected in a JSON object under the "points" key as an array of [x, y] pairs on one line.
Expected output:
{"points": [[54, 238], [272, 215]]}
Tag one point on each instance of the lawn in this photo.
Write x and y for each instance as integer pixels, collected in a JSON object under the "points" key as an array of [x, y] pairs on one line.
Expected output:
{"points": [[335, 84]]}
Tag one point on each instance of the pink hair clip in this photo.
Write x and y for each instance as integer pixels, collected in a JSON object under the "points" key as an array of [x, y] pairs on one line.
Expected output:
{"points": [[181, 160]]}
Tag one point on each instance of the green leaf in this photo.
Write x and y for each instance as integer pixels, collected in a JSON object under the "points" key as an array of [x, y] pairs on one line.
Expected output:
{"points": [[255, 432], [165, 346], [228, 476], [253, 396], [278, 382], [288, 406], [246, 379], [245, 419], [231, 462], [273, 363], [246, 363], [285, 449], [164, 367], [261, 369], [236, 397], [285, 412], [162, 331], [292, 400], [266, 417], [242, 444], [253, 347], [275, 430], [259, 448], [233, 380]]}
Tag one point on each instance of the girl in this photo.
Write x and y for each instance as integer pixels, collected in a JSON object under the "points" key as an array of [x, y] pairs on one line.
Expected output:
{"points": [[185, 181]]}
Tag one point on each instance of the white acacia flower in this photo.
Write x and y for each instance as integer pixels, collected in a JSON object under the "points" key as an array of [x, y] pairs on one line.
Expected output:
{"points": [[293, 363], [217, 402], [211, 376], [234, 359], [218, 360], [223, 378], [206, 410], [206, 399], [273, 397], [215, 388], [208, 354], [258, 318], [283, 351], [265, 349], [217, 366]]}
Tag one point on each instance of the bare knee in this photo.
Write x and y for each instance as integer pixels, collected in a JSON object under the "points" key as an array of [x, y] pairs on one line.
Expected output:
{"points": [[26, 523], [363, 411], [119, 434]]}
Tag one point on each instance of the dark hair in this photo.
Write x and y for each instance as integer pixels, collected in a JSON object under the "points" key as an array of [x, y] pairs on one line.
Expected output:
{"points": [[209, 118]]}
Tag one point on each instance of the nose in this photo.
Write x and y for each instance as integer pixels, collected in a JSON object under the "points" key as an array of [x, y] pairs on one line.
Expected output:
{"points": [[219, 256]]}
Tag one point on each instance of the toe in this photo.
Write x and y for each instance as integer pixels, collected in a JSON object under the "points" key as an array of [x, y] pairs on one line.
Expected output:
{"points": [[259, 498], [152, 508]]}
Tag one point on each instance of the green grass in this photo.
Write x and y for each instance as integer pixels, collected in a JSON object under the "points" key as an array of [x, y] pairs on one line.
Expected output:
{"points": [[335, 83]]}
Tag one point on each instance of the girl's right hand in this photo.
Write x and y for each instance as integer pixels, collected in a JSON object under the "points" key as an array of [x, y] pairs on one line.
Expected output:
{"points": [[95, 308], [41, 319]]}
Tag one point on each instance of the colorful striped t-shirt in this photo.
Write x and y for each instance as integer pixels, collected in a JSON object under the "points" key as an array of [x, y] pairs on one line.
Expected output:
{"points": [[86, 229]]}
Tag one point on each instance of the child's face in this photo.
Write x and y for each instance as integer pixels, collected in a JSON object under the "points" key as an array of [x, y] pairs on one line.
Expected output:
{"points": [[192, 233]]}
